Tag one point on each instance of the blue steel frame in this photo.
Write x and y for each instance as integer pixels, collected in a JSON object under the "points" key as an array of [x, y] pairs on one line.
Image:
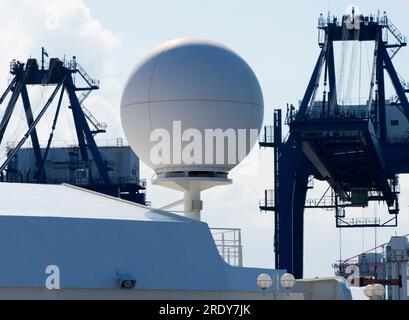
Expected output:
{"points": [[62, 76], [295, 160]]}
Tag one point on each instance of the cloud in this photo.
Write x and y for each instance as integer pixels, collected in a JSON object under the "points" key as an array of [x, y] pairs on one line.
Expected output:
{"points": [[25, 24], [65, 28]]}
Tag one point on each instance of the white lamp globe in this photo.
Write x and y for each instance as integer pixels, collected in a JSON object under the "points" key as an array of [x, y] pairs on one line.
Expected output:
{"points": [[287, 280], [369, 290], [378, 290], [264, 281], [201, 84]]}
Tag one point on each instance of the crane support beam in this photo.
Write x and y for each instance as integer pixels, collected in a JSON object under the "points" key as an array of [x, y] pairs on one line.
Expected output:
{"points": [[310, 150], [300, 194], [381, 91], [20, 79], [80, 137], [400, 91], [332, 98], [9, 110], [292, 174], [42, 177], [312, 84], [31, 128], [33, 135], [377, 161], [82, 124], [6, 92]]}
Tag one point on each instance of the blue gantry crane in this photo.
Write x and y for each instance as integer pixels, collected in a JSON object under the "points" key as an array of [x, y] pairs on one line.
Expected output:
{"points": [[85, 158], [60, 75], [358, 149]]}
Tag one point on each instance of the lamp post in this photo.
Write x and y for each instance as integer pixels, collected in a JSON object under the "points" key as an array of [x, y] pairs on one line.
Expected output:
{"points": [[374, 291], [379, 291], [264, 282], [369, 291], [287, 281]]}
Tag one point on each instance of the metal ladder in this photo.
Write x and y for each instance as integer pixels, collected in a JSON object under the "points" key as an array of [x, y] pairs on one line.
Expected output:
{"points": [[99, 126], [402, 41], [94, 84], [90, 81]]}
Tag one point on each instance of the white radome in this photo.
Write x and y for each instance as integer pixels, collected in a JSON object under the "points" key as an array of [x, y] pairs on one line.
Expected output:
{"points": [[200, 83]]}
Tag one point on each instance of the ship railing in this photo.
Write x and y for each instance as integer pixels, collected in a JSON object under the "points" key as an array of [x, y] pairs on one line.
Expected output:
{"points": [[360, 222], [268, 200], [229, 245], [267, 135]]}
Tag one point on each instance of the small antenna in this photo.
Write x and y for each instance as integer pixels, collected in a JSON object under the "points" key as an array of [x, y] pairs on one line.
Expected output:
{"points": [[43, 55], [353, 15]]}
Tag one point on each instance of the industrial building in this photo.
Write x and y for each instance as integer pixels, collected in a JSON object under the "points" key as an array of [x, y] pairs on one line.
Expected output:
{"points": [[386, 264], [64, 165]]}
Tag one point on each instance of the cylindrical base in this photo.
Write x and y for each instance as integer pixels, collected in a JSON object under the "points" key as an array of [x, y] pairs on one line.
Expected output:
{"points": [[191, 185], [192, 204]]}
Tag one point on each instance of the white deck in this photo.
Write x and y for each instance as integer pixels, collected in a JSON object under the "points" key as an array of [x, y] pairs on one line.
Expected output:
{"points": [[91, 238], [19, 199]]}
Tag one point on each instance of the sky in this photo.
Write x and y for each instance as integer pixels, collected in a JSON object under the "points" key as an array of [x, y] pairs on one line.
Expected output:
{"points": [[278, 39]]}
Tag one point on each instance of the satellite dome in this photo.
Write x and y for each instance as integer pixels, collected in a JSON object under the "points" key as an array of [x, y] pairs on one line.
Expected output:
{"points": [[199, 85]]}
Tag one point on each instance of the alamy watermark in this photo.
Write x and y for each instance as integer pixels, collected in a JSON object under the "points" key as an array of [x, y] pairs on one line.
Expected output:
{"points": [[201, 147], [52, 281], [353, 273]]}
